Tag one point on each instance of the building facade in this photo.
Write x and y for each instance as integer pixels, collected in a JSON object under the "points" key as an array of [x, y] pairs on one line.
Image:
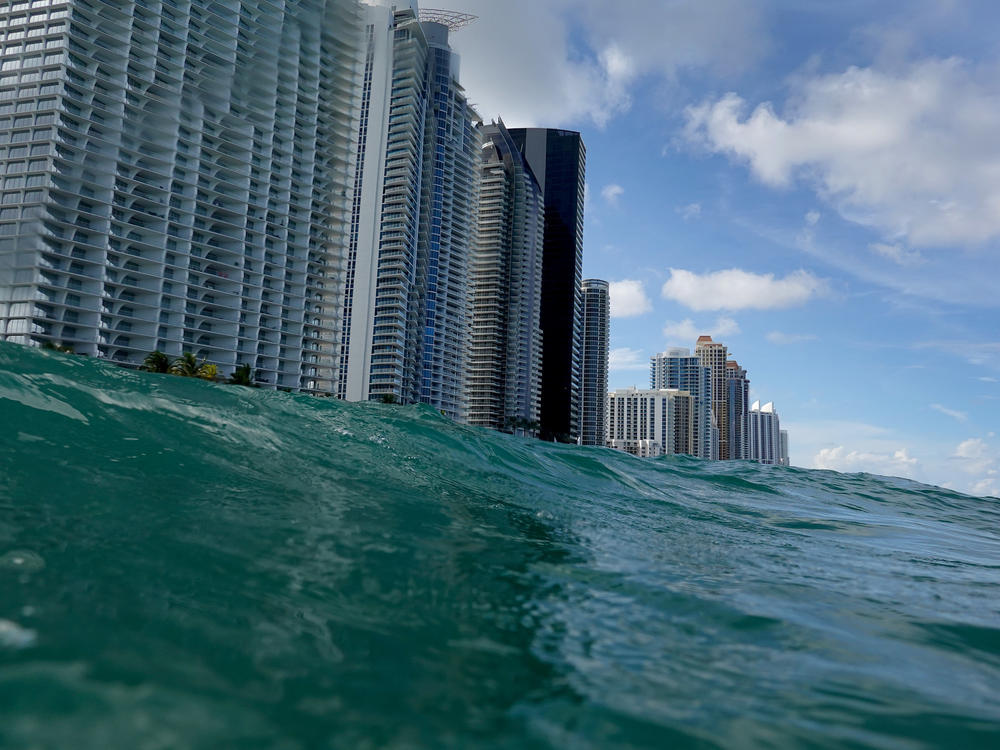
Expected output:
{"points": [[413, 222], [596, 335], [765, 434], [783, 458], [503, 380], [738, 411], [558, 160], [678, 368], [712, 355], [651, 422], [177, 177]]}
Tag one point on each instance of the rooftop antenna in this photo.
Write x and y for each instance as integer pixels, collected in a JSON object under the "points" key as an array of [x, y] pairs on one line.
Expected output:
{"points": [[450, 18]]}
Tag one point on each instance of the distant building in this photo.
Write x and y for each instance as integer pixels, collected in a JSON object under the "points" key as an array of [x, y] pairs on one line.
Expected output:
{"points": [[178, 178], [713, 356], [503, 378], [651, 422], [765, 434], [558, 158], [678, 368], [738, 408], [594, 381], [783, 458]]}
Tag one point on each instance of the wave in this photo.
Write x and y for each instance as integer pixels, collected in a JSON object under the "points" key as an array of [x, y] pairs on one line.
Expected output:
{"points": [[184, 564]]}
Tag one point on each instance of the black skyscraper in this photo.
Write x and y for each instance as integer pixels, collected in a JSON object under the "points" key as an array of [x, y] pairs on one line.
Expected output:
{"points": [[558, 158]]}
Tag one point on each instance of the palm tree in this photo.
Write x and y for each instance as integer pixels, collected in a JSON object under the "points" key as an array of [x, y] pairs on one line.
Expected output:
{"points": [[241, 376], [208, 372], [156, 362], [186, 365]]}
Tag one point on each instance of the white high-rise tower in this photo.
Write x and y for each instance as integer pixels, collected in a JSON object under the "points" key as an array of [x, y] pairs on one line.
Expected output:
{"points": [[177, 176], [413, 218]]}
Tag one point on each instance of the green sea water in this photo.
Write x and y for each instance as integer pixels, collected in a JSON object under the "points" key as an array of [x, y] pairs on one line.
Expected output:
{"points": [[188, 565]]}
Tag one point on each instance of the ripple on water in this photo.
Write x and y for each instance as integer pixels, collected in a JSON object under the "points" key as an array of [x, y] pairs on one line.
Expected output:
{"points": [[14, 636], [22, 560]]}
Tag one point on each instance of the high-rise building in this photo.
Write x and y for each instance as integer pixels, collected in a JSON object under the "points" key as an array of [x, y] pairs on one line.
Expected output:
{"points": [[177, 176], [650, 422], [783, 458], [414, 220], [678, 368], [558, 158], [765, 434], [713, 356], [503, 381], [594, 381], [738, 409]]}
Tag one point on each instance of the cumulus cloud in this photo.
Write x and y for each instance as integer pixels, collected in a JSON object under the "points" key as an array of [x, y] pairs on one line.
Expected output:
{"points": [[897, 463], [686, 332], [625, 359], [812, 218], [735, 289], [981, 460], [577, 62], [612, 193], [896, 253], [784, 339], [912, 152], [628, 299], [961, 416], [690, 211]]}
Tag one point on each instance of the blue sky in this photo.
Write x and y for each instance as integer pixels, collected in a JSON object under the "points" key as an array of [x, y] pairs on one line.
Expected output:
{"points": [[816, 184]]}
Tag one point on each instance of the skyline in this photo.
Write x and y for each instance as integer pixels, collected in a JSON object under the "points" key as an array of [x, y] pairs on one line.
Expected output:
{"points": [[809, 185]]}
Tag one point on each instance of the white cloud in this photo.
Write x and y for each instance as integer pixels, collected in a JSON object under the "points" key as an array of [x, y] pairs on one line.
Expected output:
{"points": [[686, 332], [735, 289], [812, 218], [628, 299], [978, 353], [896, 253], [897, 463], [912, 152], [690, 211], [625, 359], [981, 460], [987, 379], [578, 62], [779, 338], [612, 193], [961, 416]]}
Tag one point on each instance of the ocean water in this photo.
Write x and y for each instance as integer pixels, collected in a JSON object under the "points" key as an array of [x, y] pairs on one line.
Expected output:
{"points": [[188, 565]]}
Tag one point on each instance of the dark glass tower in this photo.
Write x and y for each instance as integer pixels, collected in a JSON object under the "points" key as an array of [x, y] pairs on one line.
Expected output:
{"points": [[558, 159]]}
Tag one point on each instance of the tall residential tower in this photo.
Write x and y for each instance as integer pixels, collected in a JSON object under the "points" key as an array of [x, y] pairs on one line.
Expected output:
{"points": [[678, 368], [558, 158], [503, 381], [413, 222], [713, 356], [594, 370], [178, 177]]}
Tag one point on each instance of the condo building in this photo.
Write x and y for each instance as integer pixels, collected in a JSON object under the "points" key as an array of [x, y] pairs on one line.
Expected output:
{"points": [[503, 381], [765, 434], [738, 411], [177, 176], [783, 458], [649, 423], [557, 159], [594, 370], [712, 355], [413, 220], [677, 368]]}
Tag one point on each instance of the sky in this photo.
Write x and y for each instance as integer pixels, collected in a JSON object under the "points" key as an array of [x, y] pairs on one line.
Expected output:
{"points": [[815, 184]]}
